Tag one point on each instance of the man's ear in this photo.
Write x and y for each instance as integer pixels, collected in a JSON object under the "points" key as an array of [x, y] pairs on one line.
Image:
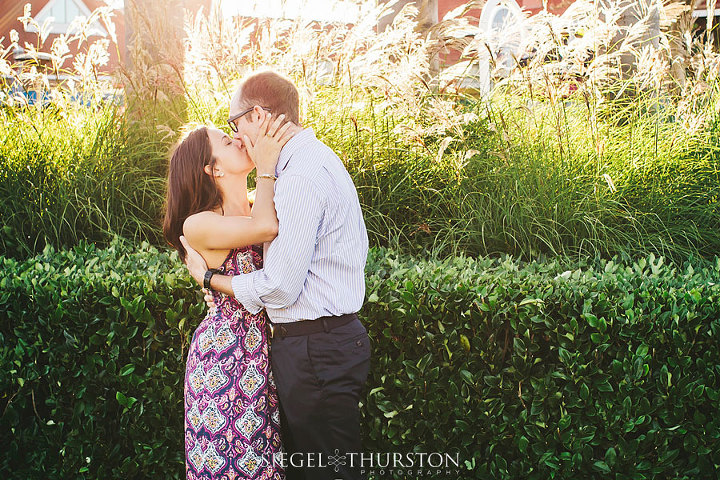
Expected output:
{"points": [[258, 113]]}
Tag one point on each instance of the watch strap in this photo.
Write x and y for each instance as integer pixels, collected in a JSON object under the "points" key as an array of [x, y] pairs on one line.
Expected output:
{"points": [[208, 276]]}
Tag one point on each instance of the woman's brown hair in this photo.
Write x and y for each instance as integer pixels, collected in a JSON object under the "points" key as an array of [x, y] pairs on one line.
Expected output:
{"points": [[189, 189]]}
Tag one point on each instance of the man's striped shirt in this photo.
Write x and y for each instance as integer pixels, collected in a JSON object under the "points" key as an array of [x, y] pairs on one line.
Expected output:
{"points": [[315, 266]]}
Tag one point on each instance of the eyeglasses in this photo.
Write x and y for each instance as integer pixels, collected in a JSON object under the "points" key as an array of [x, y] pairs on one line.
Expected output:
{"points": [[231, 121]]}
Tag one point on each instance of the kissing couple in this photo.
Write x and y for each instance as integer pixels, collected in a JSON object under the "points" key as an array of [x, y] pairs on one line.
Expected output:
{"points": [[276, 368]]}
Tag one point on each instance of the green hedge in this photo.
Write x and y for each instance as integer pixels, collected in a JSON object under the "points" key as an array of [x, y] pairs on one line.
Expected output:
{"points": [[540, 370], [92, 363]]}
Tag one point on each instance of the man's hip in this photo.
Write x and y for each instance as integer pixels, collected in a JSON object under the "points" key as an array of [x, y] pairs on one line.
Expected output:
{"points": [[335, 357]]}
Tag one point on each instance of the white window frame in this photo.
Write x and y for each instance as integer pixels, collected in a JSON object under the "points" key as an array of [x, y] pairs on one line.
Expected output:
{"points": [[492, 35], [96, 30], [483, 78], [490, 11], [704, 13]]}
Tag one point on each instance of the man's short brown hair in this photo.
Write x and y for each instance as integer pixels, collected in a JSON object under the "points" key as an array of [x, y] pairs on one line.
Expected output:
{"points": [[271, 90]]}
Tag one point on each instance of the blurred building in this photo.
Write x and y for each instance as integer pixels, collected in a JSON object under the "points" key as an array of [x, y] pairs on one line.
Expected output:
{"points": [[128, 18], [701, 21], [58, 16]]}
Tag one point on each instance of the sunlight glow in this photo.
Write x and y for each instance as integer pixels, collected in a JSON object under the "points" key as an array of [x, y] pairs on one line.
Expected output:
{"points": [[346, 11]]}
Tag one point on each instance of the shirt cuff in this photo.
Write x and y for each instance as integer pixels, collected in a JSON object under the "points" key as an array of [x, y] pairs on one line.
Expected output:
{"points": [[242, 286]]}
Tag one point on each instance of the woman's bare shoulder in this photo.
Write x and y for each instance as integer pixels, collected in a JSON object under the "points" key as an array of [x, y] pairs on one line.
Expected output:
{"points": [[196, 224]]}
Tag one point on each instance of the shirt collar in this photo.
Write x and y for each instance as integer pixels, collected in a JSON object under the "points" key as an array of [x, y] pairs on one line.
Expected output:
{"points": [[297, 142]]}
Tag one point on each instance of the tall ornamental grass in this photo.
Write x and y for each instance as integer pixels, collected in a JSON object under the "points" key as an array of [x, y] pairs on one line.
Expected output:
{"points": [[73, 164], [75, 175], [600, 140]]}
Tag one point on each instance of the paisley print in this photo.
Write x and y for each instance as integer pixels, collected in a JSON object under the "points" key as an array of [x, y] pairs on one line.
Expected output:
{"points": [[232, 427]]}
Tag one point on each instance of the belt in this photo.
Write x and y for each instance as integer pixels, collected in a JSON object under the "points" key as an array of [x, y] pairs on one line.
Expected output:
{"points": [[308, 327]]}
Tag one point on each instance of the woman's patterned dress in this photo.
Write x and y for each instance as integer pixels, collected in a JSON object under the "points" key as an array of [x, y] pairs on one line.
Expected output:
{"points": [[232, 422]]}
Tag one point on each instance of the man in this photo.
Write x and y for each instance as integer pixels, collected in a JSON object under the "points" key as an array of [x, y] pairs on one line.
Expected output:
{"points": [[312, 285]]}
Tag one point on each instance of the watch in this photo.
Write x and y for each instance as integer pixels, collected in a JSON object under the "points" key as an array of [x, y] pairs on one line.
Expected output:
{"points": [[208, 275]]}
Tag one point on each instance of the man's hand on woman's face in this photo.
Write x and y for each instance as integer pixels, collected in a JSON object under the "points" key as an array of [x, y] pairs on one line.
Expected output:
{"points": [[250, 126], [265, 150]]}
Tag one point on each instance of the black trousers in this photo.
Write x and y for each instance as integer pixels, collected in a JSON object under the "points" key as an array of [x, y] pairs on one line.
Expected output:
{"points": [[319, 380]]}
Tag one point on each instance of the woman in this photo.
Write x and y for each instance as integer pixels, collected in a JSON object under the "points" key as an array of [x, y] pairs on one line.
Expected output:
{"points": [[231, 408]]}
